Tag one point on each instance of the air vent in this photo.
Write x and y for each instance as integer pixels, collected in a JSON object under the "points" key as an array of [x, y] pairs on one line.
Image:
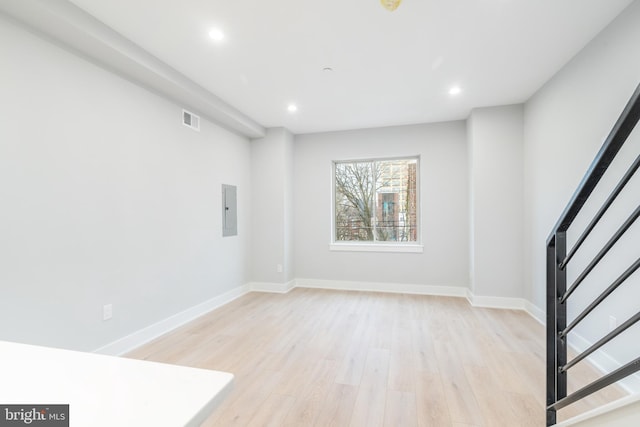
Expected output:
{"points": [[190, 120]]}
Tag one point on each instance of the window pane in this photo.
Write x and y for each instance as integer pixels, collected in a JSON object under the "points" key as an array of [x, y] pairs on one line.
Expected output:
{"points": [[396, 207], [354, 201], [376, 200]]}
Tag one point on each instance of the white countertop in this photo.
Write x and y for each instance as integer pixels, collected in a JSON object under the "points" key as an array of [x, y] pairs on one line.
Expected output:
{"points": [[109, 391]]}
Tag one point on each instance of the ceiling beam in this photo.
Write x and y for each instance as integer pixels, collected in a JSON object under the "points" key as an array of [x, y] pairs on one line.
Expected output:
{"points": [[78, 31]]}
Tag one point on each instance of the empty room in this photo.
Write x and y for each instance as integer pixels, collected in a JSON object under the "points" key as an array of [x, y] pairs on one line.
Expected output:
{"points": [[319, 213]]}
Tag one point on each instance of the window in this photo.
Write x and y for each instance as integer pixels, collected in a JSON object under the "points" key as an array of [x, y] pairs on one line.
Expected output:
{"points": [[375, 202]]}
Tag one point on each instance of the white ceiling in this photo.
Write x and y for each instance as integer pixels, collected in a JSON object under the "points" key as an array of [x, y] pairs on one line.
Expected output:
{"points": [[389, 68]]}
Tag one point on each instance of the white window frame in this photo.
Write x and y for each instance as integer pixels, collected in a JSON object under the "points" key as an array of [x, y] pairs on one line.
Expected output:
{"points": [[376, 246]]}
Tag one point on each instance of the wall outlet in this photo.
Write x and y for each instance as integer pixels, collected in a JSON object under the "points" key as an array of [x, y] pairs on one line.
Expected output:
{"points": [[613, 323], [279, 268], [107, 311]]}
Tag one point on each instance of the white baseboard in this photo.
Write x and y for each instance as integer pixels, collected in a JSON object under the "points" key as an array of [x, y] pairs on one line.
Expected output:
{"points": [[622, 412], [603, 362], [495, 302], [451, 291], [535, 312], [279, 288], [143, 336], [600, 359]]}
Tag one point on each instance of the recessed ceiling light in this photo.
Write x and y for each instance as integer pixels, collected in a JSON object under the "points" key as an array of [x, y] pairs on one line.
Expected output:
{"points": [[292, 108], [455, 90], [216, 34], [327, 69]]}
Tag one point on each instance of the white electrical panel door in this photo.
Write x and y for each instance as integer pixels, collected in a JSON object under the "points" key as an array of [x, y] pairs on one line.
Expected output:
{"points": [[229, 210]]}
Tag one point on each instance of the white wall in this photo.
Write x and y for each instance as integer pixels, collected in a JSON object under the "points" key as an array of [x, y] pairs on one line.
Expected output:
{"points": [[105, 197], [289, 249], [566, 122], [495, 137], [443, 196], [271, 183]]}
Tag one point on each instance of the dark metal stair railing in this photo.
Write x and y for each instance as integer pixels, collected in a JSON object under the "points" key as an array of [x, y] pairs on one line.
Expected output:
{"points": [[557, 260]]}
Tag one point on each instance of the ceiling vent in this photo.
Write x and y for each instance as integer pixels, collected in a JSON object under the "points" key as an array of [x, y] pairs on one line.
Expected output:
{"points": [[190, 120]]}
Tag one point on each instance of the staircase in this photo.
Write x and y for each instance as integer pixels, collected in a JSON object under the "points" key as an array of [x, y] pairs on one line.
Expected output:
{"points": [[605, 274]]}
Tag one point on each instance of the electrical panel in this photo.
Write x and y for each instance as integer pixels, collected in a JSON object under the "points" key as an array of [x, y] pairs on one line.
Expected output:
{"points": [[229, 210]]}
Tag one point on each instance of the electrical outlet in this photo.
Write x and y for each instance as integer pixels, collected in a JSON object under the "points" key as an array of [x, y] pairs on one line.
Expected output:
{"points": [[279, 268], [613, 323], [107, 311]]}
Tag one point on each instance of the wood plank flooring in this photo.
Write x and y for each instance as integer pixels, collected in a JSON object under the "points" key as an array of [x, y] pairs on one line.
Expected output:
{"points": [[332, 358]]}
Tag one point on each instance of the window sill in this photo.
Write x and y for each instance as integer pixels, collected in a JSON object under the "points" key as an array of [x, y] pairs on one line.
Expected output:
{"points": [[376, 247]]}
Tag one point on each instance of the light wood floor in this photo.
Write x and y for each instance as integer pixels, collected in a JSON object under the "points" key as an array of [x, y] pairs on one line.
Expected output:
{"points": [[332, 358]]}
